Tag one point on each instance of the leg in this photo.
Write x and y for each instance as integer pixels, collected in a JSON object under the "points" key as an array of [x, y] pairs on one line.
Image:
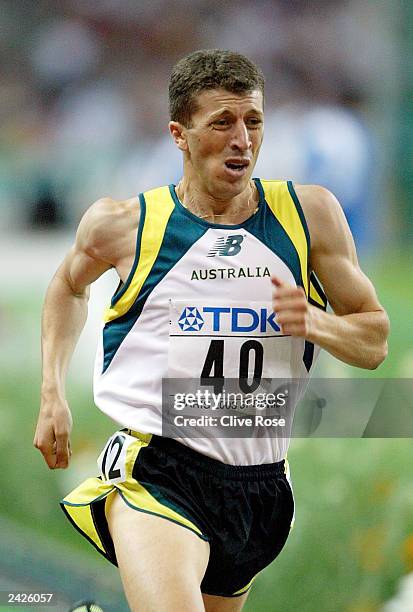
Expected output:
{"points": [[224, 604], [161, 564]]}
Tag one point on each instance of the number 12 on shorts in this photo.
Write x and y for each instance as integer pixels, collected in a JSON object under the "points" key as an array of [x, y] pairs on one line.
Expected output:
{"points": [[112, 460]]}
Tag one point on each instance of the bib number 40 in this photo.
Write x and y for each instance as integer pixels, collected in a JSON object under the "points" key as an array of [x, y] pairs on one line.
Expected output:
{"points": [[251, 352]]}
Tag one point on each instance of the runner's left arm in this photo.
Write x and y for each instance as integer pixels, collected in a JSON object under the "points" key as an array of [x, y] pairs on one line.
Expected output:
{"points": [[357, 330]]}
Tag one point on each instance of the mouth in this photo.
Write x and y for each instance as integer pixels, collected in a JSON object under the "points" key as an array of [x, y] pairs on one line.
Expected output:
{"points": [[237, 167]]}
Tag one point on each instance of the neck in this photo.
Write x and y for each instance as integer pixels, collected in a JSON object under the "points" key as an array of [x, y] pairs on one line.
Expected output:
{"points": [[205, 206]]}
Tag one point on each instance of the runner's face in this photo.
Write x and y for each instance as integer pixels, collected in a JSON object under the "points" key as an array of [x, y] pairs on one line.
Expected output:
{"points": [[224, 140]]}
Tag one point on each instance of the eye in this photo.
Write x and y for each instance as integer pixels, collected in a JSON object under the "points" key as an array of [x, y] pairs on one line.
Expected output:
{"points": [[220, 123], [254, 122]]}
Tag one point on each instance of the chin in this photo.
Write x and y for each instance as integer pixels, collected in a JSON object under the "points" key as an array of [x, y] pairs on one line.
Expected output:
{"points": [[233, 187]]}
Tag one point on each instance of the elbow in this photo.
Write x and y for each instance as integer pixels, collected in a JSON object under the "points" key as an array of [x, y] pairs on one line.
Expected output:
{"points": [[380, 352], [378, 357], [382, 349]]}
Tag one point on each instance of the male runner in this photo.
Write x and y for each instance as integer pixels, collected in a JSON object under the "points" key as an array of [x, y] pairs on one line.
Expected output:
{"points": [[193, 260]]}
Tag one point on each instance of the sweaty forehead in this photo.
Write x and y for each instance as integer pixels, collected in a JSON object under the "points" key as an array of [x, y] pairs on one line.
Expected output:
{"points": [[211, 101]]}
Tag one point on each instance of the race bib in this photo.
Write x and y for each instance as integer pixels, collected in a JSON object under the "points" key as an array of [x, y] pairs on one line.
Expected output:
{"points": [[215, 340], [113, 460]]}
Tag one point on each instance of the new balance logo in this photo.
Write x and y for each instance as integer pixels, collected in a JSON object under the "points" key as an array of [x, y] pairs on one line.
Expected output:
{"points": [[227, 247]]}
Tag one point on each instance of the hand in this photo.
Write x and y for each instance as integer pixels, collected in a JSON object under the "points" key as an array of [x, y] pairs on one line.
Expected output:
{"points": [[293, 312], [52, 433]]}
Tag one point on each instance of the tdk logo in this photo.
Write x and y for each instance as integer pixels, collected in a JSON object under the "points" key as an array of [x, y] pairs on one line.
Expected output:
{"points": [[222, 318], [227, 247], [190, 319]]}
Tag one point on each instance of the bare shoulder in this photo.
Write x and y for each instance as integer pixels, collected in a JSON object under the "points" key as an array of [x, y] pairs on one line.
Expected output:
{"points": [[108, 228], [333, 254], [325, 218]]}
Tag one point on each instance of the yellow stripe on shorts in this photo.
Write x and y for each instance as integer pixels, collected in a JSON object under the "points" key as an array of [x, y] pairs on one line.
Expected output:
{"points": [[245, 588], [139, 498], [78, 504]]}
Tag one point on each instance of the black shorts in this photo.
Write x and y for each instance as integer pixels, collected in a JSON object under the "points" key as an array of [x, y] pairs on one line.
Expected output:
{"points": [[244, 512]]}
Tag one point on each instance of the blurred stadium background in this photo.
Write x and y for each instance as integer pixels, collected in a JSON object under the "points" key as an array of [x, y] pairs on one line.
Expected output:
{"points": [[83, 113]]}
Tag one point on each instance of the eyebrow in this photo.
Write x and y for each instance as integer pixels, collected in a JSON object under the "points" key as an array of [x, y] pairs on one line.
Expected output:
{"points": [[227, 111]]}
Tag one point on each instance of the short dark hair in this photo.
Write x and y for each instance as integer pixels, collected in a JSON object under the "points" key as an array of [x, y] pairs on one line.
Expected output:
{"points": [[209, 69]]}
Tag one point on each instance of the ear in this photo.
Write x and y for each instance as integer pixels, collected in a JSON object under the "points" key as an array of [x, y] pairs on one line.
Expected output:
{"points": [[178, 133]]}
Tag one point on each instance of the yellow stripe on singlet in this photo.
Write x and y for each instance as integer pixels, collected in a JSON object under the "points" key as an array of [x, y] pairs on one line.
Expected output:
{"points": [[159, 207], [314, 295], [282, 205]]}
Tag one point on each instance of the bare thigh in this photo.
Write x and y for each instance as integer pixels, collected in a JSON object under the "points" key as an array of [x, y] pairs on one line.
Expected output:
{"points": [[161, 563], [224, 604]]}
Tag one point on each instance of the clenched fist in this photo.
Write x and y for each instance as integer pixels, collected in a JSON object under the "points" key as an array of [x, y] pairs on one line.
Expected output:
{"points": [[293, 312], [52, 436]]}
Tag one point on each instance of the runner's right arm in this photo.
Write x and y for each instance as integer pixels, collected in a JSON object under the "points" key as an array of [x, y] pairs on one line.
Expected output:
{"points": [[64, 316]]}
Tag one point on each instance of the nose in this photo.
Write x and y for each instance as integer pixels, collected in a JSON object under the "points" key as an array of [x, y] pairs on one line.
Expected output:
{"points": [[241, 140]]}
